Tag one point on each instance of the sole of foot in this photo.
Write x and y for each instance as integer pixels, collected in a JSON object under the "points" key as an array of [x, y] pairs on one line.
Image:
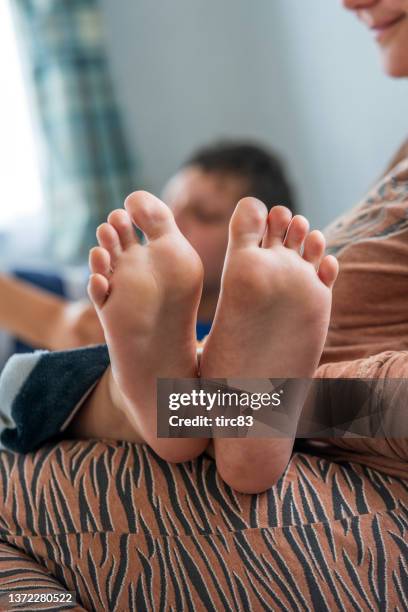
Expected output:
{"points": [[275, 300], [271, 322], [146, 296]]}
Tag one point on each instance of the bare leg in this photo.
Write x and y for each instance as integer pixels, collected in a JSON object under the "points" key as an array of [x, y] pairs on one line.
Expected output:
{"points": [[44, 320]]}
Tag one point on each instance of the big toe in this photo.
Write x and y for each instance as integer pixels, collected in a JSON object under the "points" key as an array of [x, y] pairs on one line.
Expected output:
{"points": [[248, 223], [150, 214]]}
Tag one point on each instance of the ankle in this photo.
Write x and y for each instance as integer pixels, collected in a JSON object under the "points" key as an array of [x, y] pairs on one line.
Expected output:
{"points": [[101, 416]]}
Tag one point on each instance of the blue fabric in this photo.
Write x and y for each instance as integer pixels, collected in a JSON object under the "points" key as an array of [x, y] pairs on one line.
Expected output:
{"points": [[203, 329], [49, 395]]}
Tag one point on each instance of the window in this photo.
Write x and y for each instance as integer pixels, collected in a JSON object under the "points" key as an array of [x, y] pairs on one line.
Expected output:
{"points": [[21, 201]]}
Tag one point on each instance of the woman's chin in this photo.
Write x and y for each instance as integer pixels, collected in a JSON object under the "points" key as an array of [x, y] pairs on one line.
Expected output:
{"points": [[396, 72], [395, 66]]}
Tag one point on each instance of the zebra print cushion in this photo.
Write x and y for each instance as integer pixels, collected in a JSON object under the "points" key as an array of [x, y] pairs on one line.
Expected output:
{"points": [[127, 531]]}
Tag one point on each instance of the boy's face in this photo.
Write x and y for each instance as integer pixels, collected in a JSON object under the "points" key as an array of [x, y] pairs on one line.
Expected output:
{"points": [[202, 203]]}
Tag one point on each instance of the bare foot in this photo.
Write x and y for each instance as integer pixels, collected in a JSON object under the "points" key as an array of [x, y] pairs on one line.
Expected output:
{"points": [[147, 298], [271, 322]]}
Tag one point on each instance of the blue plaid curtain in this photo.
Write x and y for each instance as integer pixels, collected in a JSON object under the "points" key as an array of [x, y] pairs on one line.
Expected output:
{"points": [[87, 169]]}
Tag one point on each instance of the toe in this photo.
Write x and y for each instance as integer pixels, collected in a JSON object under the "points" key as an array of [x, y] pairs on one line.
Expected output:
{"points": [[278, 220], [297, 232], [315, 245], [98, 289], [248, 223], [150, 214], [328, 270], [108, 238], [122, 223], [100, 261]]}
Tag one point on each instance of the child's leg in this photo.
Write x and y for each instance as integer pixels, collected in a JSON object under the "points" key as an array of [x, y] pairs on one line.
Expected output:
{"points": [[271, 322], [147, 298]]}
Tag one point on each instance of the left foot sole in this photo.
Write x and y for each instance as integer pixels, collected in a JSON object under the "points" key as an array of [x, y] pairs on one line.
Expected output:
{"points": [[146, 297]]}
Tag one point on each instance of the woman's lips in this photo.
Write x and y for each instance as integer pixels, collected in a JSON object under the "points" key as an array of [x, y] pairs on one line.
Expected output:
{"points": [[381, 29]]}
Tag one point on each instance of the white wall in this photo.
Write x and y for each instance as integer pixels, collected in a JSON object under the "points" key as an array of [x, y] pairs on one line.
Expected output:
{"points": [[303, 77]]}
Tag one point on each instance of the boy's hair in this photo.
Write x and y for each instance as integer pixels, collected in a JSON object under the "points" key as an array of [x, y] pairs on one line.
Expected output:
{"points": [[261, 168]]}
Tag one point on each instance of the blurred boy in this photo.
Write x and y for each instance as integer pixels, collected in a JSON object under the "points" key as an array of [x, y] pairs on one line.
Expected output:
{"points": [[202, 195]]}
